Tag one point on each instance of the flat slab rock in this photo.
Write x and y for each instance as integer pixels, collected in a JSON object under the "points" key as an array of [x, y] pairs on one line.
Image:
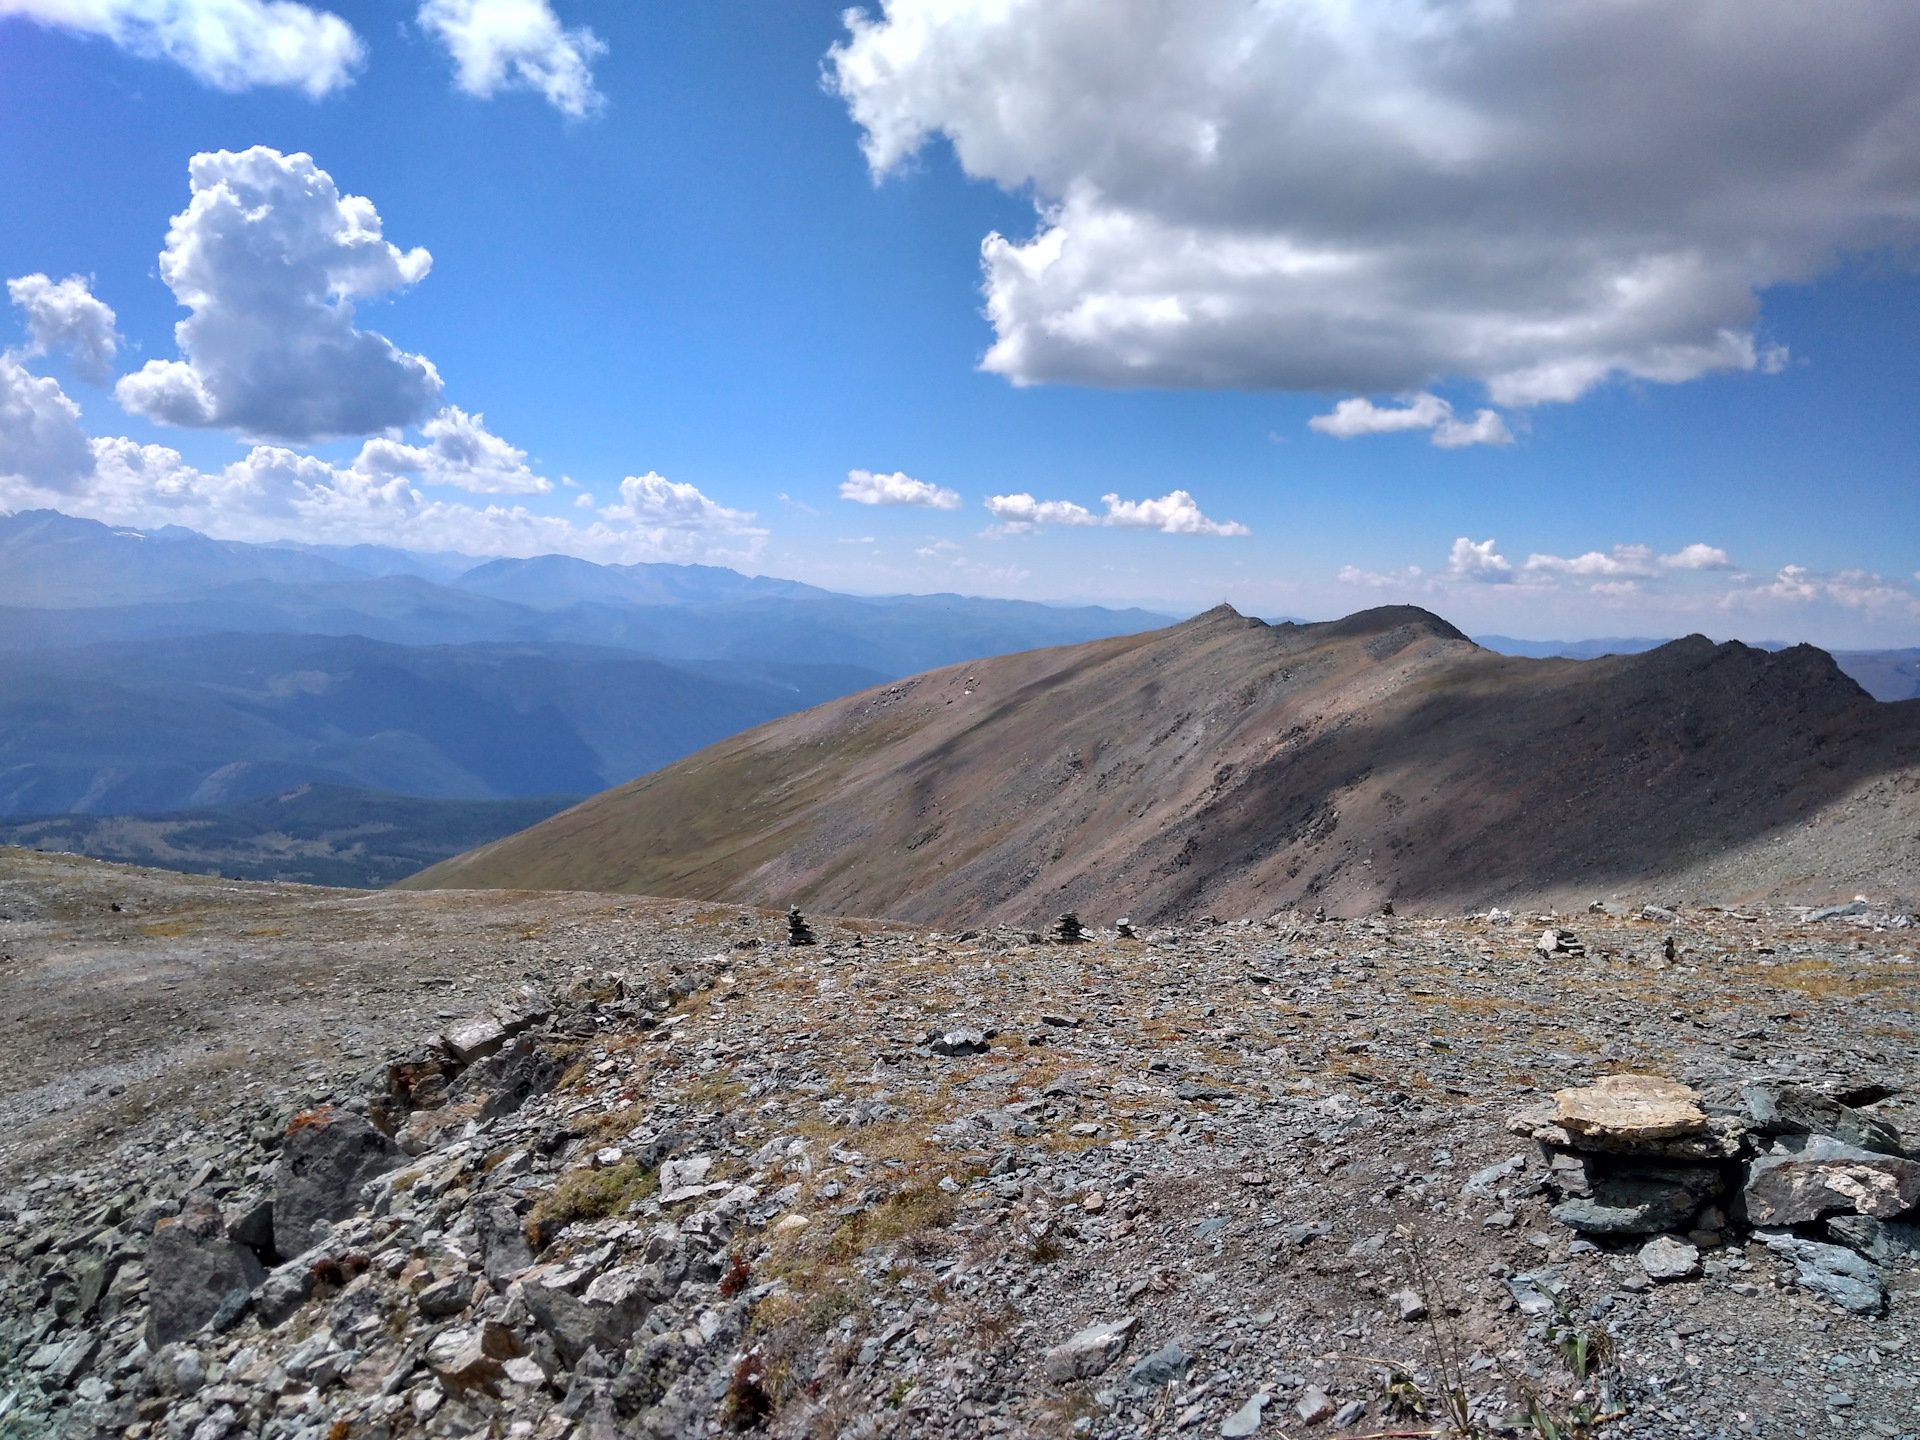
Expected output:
{"points": [[1621, 1111]]}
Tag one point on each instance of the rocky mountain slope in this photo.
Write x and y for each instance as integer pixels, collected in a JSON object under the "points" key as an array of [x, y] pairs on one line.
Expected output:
{"points": [[1228, 766], [585, 1166]]}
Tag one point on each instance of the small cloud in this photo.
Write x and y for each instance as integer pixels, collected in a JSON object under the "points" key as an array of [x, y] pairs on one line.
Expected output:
{"points": [[1175, 513], [1616, 587], [864, 487], [1697, 557], [1358, 416], [517, 45], [787, 502], [653, 500], [584, 500], [856, 539], [65, 316], [1480, 563]]}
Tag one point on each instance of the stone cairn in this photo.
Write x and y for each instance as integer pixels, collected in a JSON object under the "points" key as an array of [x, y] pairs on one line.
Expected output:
{"points": [[1560, 942], [1123, 927], [1068, 930], [798, 931], [1638, 1162]]}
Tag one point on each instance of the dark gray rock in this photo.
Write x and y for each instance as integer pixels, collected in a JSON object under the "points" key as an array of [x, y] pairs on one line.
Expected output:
{"points": [[575, 1326], [287, 1287], [444, 1298], [1778, 1109], [510, 1077], [1824, 1177], [253, 1228], [1830, 1270], [1639, 1202], [1162, 1367], [196, 1276], [504, 1252], [328, 1154], [1879, 1240]]}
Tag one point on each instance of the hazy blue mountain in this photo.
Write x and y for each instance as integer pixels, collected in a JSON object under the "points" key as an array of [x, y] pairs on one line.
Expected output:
{"points": [[312, 834], [554, 582], [1566, 649], [66, 582], [438, 565], [200, 720], [52, 560], [1883, 674]]}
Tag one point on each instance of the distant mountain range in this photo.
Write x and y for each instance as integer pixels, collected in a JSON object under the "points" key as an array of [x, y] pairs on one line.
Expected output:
{"points": [[67, 582], [1231, 766], [210, 719], [156, 671]]}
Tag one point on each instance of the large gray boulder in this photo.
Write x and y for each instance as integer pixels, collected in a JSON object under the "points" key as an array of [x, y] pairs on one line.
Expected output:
{"points": [[1825, 1177], [197, 1275], [327, 1156], [1830, 1270], [1780, 1109]]}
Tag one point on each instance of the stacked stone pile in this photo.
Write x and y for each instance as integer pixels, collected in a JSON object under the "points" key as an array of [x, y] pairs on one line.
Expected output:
{"points": [[1639, 1162]]}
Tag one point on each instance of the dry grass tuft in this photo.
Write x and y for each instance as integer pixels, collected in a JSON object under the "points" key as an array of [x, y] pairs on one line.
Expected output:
{"points": [[588, 1195]]}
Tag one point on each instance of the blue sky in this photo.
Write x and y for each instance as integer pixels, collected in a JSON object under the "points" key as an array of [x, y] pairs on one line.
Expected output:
{"points": [[699, 282]]}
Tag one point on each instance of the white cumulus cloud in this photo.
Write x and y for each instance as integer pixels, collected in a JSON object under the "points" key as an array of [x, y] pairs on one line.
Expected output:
{"points": [[655, 502], [1478, 562], [1697, 556], [1360, 416], [41, 442], [864, 487], [228, 44], [1374, 195], [460, 451], [1175, 513], [517, 45], [64, 315], [269, 257]]}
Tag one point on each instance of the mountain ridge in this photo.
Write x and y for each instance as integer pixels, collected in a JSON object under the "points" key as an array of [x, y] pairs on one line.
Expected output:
{"points": [[1225, 763]]}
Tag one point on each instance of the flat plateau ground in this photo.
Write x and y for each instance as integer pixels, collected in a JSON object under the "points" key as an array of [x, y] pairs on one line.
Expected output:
{"points": [[1266, 1110]]}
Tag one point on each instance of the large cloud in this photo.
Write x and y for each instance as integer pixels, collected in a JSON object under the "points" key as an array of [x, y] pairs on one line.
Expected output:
{"points": [[517, 45], [65, 316], [1374, 195], [228, 44], [269, 257]]}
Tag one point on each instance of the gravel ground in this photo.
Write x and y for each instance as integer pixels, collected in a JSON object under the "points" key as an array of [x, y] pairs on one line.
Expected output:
{"points": [[1273, 1153]]}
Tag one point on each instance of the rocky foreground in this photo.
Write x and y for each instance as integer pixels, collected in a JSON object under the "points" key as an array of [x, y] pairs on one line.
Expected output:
{"points": [[674, 1177]]}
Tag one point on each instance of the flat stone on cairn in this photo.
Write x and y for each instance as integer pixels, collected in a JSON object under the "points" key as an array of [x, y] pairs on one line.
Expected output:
{"points": [[798, 932]]}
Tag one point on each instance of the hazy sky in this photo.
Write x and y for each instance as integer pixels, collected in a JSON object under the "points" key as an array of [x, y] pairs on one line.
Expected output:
{"points": [[1596, 317]]}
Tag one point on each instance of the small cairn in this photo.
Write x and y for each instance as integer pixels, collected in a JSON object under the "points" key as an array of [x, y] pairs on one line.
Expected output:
{"points": [[1068, 930], [1123, 927], [798, 931]]}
